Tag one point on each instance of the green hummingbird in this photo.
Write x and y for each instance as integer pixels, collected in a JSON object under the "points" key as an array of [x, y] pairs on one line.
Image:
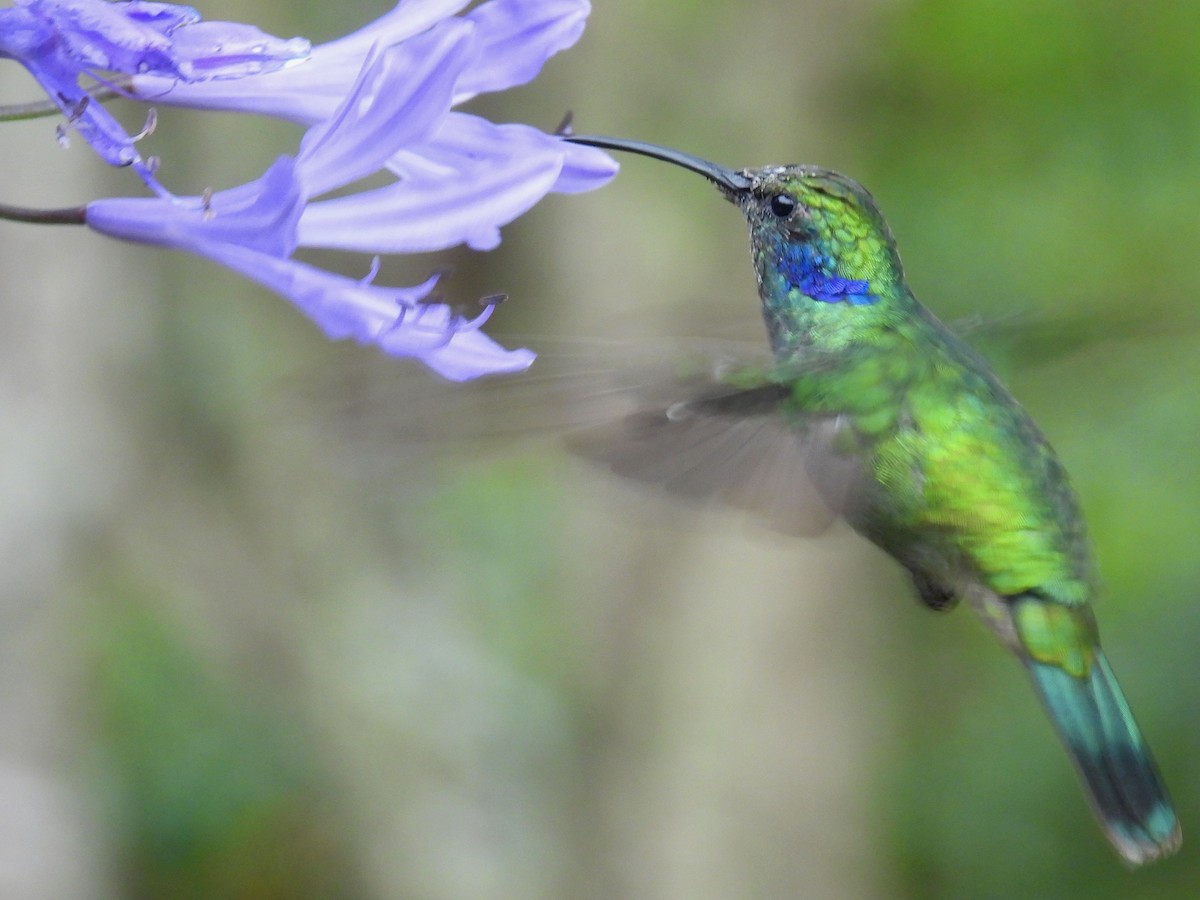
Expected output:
{"points": [[907, 433]]}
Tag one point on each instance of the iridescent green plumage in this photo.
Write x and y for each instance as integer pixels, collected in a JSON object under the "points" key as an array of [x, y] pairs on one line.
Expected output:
{"points": [[908, 434]]}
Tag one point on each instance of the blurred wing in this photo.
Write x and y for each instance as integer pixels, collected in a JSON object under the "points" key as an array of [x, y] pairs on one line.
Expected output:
{"points": [[397, 409], [734, 445], [657, 412]]}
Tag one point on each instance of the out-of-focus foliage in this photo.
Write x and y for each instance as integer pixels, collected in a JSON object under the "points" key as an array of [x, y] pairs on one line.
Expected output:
{"points": [[213, 791], [241, 656]]}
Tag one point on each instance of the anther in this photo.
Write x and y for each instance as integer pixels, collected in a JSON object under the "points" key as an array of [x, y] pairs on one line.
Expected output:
{"points": [[78, 109]]}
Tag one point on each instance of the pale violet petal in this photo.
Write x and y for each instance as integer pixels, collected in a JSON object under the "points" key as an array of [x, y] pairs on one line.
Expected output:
{"points": [[232, 50], [310, 91], [392, 319], [518, 37], [261, 215], [447, 195], [403, 93], [99, 35], [165, 17], [584, 171], [464, 137], [423, 214], [91, 121], [407, 19], [472, 354]]}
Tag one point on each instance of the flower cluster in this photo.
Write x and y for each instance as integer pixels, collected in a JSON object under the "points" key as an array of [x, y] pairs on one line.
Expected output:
{"points": [[378, 100], [60, 40]]}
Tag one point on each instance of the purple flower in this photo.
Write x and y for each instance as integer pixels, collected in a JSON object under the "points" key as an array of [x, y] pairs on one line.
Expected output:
{"points": [[60, 40], [255, 228], [378, 100], [251, 229], [468, 176], [513, 38]]}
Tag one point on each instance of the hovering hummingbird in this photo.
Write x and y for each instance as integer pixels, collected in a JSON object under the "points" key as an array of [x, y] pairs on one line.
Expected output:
{"points": [[905, 432]]}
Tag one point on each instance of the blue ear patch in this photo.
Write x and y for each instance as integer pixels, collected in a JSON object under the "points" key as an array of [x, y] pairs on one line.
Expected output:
{"points": [[809, 272], [834, 289]]}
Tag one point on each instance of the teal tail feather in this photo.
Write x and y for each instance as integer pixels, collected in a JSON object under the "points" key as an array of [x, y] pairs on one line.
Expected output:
{"points": [[1118, 772]]}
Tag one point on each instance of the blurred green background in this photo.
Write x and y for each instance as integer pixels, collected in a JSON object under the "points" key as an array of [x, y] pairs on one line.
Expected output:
{"points": [[242, 655]]}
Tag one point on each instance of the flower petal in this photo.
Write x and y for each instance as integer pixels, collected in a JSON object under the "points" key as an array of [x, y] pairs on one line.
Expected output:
{"points": [[225, 50], [519, 36], [261, 215], [59, 40], [99, 35], [584, 171], [401, 95], [311, 92], [470, 354], [92, 121], [455, 192], [36, 42], [392, 319], [465, 137], [407, 19]]}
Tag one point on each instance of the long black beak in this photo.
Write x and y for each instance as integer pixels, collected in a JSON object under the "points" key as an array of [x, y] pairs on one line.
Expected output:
{"points": [[733, 182]]}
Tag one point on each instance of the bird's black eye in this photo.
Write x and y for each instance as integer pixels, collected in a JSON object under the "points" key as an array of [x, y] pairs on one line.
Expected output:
{"points": [[783, 205]]}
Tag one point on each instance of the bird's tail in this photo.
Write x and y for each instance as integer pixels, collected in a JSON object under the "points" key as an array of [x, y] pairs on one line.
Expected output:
{"points": [[1113, 761]]}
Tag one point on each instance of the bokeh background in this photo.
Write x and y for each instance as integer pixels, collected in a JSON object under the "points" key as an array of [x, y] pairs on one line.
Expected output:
{"points": [[246, 651]]}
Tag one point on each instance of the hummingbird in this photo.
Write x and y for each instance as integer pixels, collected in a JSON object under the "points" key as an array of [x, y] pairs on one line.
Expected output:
{"points": [[906, 433]]}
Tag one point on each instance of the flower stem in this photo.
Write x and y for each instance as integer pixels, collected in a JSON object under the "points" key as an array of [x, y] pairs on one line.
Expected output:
{"points": [[71, 215], [40, 109]]}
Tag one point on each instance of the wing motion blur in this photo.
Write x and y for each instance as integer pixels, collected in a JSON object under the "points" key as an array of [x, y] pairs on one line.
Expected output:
{"points": [[681, 415]]}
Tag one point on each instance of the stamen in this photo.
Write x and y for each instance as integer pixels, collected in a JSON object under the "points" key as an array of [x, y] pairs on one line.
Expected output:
{"points": [[439, 337], [564, 128], [369, 278], [477, 322], [148, 128], [448, 318], [78, 109]]}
